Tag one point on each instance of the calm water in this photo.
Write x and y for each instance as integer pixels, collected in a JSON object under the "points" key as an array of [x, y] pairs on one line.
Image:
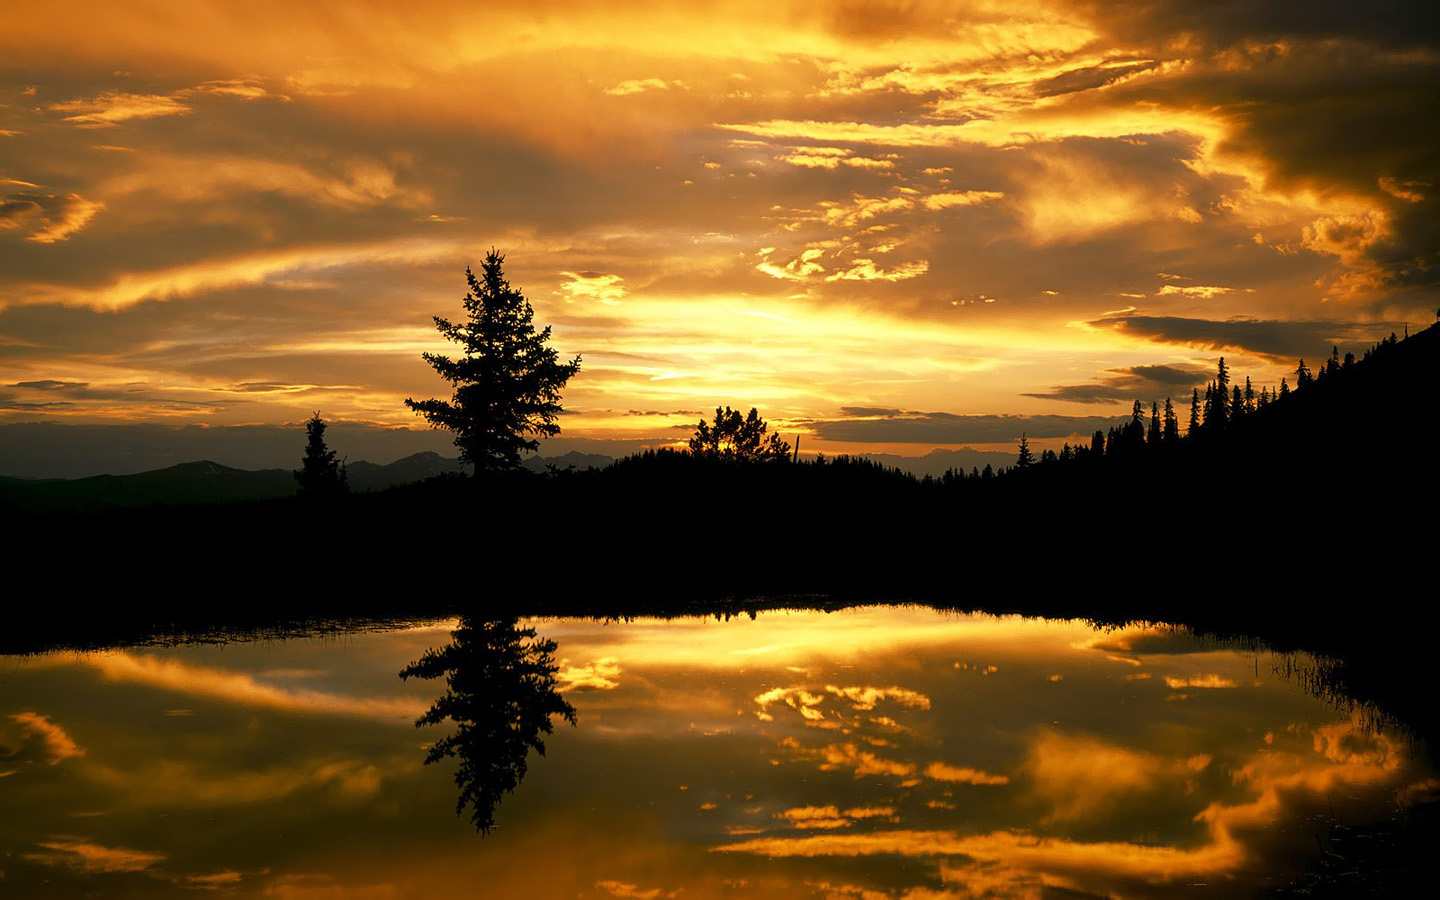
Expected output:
{"points": [[859, 754]]}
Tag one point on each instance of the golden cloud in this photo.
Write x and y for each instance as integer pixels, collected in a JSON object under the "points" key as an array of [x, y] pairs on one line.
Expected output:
{"points": [[113, 107], [1081, 777], [236, 687], [598, 675], [91, 858], [940, 771], [51, 741]]}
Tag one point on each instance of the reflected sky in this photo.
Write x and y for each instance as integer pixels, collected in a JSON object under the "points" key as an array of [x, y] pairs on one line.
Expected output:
{"points": [[884, 752]]}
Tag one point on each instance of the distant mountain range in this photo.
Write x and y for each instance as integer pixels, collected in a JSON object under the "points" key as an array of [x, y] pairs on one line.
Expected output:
{"points": [[938, 462], [209, 482]]}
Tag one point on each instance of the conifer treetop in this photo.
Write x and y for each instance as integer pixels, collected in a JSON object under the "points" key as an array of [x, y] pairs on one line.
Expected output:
{"points": [[507, 384]]}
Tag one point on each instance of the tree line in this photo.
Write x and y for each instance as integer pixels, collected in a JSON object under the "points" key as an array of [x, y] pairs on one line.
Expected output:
{"points": [[507, 389], [1224, 407]]}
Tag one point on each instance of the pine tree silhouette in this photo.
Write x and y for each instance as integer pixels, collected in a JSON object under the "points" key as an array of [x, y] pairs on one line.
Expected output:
{"points": [[320, 473], [1170, 432], [507, 385]]}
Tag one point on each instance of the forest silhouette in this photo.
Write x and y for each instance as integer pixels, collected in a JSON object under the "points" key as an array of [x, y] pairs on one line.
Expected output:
{"points": [[1261, 517], [1301, 516]]}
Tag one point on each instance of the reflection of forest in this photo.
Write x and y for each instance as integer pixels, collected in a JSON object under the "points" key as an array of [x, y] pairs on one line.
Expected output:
{"points": [[501, 694]]}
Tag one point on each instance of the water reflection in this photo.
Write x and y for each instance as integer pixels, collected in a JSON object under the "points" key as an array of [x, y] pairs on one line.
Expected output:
{"points": [[501, 694], [895, 753]]}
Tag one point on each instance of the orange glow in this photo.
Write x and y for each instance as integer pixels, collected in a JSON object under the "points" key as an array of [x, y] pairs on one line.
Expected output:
{"points": [[953, 762], [231, 687], [805, 208]]}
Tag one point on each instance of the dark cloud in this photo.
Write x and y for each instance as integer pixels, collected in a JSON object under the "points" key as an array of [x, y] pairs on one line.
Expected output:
{"points": [[866, 411], [1278, 340], [1091, 77], [12, 403], [1127, 384], [260, 387], [1165, 374], [947, 428], [45, 218], [1325, 96], [51, 385], [1089, 393], [1393, 23], [15, 209], [40, 395]]}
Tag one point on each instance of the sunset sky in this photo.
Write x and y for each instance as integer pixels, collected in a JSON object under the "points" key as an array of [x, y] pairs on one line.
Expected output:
{"points": [[883, 224]]}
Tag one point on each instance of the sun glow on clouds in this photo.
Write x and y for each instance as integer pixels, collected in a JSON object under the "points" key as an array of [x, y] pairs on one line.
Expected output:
{"points": [[1073, 780], [89, 858], [866, 170], [236, 687], [600, 675], [794, 638], [113, 107], [933, 777], [54, 743], [1348, 754]]}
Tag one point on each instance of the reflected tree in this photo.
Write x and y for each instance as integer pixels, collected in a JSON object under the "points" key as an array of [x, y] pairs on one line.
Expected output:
{"points": [[501, 694]]}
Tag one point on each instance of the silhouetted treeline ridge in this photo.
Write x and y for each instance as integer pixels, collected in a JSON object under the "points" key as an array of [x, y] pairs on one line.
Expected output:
{"points": [[1382, 399], [205, 481], [1330, 465]]}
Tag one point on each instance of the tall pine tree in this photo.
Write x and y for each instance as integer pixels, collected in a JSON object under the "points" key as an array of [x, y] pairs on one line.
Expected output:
{"points": [[507, 385], [1025, 460]]}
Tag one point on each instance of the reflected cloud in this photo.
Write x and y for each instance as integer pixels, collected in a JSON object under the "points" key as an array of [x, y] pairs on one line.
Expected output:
{"points": [[90, 858], [1209, 681], [42, 739], [860, 762], [166, 782], [179, 677], [973, 792], [1084, 778], [629, 891], [822, 817], [939, 771], [830, 817], [214, 881], [859, 699], [865, 698], [600, 675], [327, 887], [1051, 856]]}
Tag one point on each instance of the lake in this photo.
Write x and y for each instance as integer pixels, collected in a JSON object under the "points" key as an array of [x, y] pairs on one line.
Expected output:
{"points": [[880, 752]]}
